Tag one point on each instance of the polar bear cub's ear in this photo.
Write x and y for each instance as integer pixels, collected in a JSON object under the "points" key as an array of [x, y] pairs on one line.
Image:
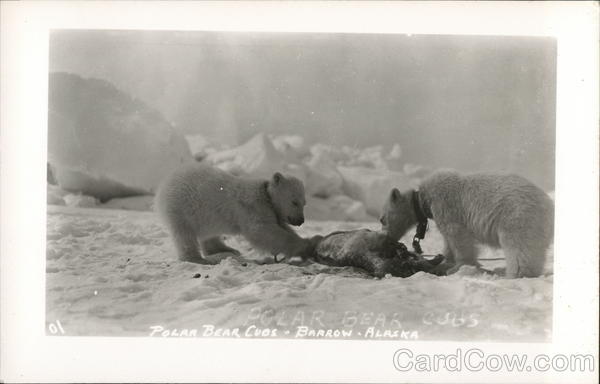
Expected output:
{"points": [[277, 178], [395, 195]]}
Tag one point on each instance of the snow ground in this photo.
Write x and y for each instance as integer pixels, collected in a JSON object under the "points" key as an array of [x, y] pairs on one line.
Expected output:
{"points": [[114, 273]]}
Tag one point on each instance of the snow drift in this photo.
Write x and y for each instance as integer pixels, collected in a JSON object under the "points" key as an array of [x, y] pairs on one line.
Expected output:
{"points": [[104, 143], [115, 273]]}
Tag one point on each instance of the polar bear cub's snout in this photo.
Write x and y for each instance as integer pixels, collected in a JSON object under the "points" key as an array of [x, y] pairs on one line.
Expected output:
{"points": [[287, 194]]}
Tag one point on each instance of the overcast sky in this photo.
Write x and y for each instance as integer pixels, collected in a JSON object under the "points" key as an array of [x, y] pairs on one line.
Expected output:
{"points": [[465, 102]]}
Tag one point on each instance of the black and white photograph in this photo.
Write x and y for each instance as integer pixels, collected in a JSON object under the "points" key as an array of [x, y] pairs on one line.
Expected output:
{"points": [[268, 192], [271, 185]]}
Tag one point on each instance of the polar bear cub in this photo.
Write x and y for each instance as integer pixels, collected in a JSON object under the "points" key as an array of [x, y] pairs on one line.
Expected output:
{"points": [[199, 203], [499, 210]]}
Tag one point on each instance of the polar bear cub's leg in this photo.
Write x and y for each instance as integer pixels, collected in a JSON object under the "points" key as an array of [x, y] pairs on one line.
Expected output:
{"points": [[524, 257], [214, 245], [186, 242], [449, 262], [276, 240], [461, 244]]}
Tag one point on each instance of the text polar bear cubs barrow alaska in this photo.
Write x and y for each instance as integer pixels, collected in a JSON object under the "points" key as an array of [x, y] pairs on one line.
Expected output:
{"points": [[499, 210], [199, 203]]}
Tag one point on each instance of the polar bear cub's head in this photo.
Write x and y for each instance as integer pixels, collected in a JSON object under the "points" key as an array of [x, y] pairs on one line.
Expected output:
{"points": [[287, 196], [398, 215]]}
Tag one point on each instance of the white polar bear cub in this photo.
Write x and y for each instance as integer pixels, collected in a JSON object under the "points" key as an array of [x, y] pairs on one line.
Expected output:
{"points": [[199, 203], [500, 210]]}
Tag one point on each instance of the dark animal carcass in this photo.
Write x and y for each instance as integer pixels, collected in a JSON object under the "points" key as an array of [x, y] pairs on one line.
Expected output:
{"points": [[374, 252]]}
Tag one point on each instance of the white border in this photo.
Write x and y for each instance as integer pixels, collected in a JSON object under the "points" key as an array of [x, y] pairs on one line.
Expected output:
{"points": [[28, 355]]}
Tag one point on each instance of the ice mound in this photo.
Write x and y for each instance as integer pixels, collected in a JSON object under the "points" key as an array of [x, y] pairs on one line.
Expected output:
{"points": [[371, 157], [291, 145], [100, 186], [394, 158], [337, 155], [104, 143], [339, 208], [323, 179], [395, 152], [78, 200], [134, 203], [416, 172], [257, 158], [200, 146], [372, 186], [55, 195]]}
